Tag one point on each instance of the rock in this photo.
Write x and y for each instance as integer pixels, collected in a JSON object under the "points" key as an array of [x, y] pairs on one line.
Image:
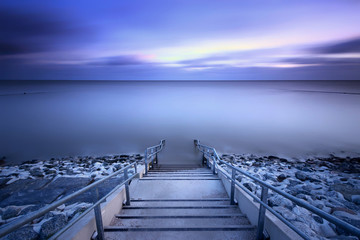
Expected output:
{"points": [[24, 233], [301, 175], [36, 172], [278, 200], [355, 199], [52, 225], [281, 177], [293, 182], [268, 176], [272, 158], [30, 209], [327, 231], [286, 213], [49, 171], [3, 181], [250, 186], [10, 212], [344, 238], [304, 228], [318, 219], [348, 216]]}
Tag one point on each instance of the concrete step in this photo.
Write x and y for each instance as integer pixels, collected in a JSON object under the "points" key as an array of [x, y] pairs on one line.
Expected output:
{"points": [[179, 203], [177, 222], [179, 207], [178, 170], [179, 178], [231, 215], [178, 173], [179, 211], [243, 234]]}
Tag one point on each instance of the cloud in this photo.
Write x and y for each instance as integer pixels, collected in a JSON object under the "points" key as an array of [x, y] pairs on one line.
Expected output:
{"points": [[121, 60], [349, 46], [29, 32], [324, 61]]}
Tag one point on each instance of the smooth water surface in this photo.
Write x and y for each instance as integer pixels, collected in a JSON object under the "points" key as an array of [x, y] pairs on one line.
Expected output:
{"points": [[71, 118]]}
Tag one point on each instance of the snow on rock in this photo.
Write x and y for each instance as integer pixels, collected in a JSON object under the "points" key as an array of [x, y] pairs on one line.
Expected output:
{"points": [[330, 183]]}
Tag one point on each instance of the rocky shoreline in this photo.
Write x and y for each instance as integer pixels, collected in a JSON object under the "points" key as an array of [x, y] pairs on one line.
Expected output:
{"points": [[329, 183], [33, 184]]}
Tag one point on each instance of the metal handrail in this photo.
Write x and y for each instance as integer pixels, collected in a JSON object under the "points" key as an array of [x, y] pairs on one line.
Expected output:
{"points": [[212, 154], [150, 152], [10, 227]]}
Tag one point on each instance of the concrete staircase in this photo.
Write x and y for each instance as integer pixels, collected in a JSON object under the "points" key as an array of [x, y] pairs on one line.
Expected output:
{"points": [[179, 202]]}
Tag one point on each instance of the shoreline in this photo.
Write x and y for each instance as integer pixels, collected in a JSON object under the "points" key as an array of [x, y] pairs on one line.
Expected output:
{"points": [[330, 183]]}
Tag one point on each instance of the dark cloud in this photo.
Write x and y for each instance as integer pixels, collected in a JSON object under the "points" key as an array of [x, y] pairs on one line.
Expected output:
{"points": [[350, 46], [28, 32], [122, 60]]}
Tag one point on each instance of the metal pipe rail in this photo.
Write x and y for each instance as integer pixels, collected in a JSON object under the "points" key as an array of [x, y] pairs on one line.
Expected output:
{"points": [[212, 154], [150, 152], [96, 206], [8, 228]]}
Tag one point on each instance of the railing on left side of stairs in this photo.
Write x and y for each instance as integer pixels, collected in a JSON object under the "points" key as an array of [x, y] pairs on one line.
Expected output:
{"points": [[149, 154]]}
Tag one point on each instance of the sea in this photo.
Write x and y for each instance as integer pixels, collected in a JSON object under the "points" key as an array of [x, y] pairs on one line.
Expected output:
{"points": [[54, 119]]}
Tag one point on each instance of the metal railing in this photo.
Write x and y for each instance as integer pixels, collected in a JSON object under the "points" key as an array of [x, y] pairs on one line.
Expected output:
{"points": [[151, 155], [210, 153], [12, 226]]}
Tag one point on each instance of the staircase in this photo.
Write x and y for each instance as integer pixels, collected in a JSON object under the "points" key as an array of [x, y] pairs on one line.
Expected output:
{"points": [[179, 202]]}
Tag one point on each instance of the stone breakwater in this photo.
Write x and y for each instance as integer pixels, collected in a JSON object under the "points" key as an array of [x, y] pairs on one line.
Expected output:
{"points": [[331, 184], [31, 185]]}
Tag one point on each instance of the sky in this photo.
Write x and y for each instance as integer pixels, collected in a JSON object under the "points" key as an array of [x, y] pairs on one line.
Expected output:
{"points": [[179, 40]]}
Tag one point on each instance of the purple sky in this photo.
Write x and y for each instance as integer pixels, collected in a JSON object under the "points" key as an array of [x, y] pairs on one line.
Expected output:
{"points": [[179, 39]]}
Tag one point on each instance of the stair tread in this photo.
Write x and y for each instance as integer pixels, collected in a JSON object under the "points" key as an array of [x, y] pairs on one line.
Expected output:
{"points": [[182, 216], [187, 228], [180, 235]]}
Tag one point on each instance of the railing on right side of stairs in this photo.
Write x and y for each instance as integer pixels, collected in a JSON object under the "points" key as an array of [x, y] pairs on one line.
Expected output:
{"points": [[211, 154], [151, 155]]}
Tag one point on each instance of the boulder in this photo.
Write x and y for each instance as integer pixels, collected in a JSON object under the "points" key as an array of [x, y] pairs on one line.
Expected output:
{"points": [[286, 213], [36, 172], [24, 233], [301, 175], [51, 226], [281, 177], [251, 186], [346, 189], [10, 212]]}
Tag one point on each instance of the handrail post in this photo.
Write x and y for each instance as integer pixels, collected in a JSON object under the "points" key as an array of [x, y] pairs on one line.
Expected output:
{"points": [[146, 166], [213, 166], [98, 217], [262, 210], [232, 192], [127, 187], [135, 167]]}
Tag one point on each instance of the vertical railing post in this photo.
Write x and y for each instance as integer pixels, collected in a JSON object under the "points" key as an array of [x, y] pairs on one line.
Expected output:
{"points": [[127, 187], [214, 164], [232, 191], [262, 210], [135, 167], [98, 217], [146, 165]]}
